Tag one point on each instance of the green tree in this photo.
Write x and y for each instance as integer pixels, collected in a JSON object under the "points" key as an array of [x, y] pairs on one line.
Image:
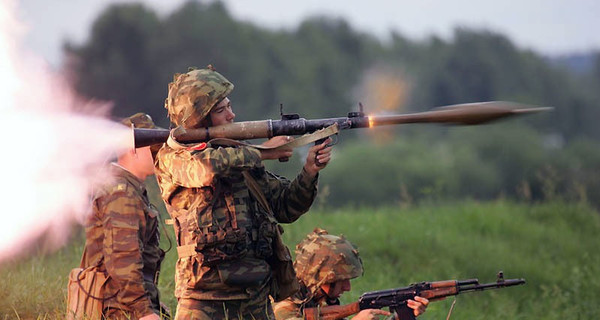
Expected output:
{"points": [[116, 63]]}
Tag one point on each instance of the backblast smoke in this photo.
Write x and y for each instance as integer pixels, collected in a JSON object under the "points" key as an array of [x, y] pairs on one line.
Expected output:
{"points": [[55, 145]]}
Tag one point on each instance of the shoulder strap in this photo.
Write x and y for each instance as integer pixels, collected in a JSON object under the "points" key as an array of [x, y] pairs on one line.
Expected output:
{"points": [[256, 191], [83, 256], [298, 142]]}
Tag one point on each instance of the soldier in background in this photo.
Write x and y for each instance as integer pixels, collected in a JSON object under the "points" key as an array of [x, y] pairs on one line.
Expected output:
{"points": [[324, 266], [122, 235], [226, 208]]}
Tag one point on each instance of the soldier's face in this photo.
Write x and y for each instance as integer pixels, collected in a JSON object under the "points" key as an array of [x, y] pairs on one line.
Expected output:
{"points": [[144, 161], [222, 113], [335, 290]]}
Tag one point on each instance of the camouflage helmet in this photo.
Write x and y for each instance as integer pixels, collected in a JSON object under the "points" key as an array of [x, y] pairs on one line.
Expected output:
{"points": [[139, 120], [323, 258], [192, 95]]}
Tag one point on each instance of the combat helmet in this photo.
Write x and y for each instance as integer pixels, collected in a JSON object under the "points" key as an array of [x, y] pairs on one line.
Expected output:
{"points": [[192, 95], [139, 120], [144, 121], [323, 258]]}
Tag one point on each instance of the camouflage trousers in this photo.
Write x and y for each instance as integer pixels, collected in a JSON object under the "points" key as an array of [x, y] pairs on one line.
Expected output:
{"points": [[120, 314], [259, 309], [116, 314]]}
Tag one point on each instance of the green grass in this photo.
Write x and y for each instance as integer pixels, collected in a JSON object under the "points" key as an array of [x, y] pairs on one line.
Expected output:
{"points": [[553, 246]]}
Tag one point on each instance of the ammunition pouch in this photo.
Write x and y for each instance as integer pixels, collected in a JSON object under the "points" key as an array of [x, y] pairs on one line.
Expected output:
{"points": [[263, 246], [85, 293], [213, 248], [284, 283], [257, 272]]}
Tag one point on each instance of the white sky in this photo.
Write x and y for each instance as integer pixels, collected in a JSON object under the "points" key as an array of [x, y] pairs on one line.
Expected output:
{"points": [[549, 27]]}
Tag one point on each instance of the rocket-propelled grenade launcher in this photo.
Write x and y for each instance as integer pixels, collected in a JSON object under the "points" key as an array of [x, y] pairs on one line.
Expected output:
{"points": [[292, 124]]}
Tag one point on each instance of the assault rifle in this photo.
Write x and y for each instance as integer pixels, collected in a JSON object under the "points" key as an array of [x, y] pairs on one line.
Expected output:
{"points": [[292, 124], [396, 299]]}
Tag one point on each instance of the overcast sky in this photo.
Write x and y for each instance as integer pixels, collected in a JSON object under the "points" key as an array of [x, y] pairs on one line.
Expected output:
{"points": [[550, 27]]}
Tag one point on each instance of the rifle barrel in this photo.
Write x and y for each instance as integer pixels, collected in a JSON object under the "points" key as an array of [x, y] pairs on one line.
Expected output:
{"points": [[493, 285], [467, 282]]}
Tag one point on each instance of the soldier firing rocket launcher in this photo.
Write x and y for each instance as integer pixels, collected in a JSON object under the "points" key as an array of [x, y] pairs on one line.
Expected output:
{"points": [[292, 124]]}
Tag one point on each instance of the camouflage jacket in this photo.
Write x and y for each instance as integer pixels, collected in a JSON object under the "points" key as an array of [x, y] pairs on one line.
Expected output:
{"points": [[225, 237], [122, 235]]}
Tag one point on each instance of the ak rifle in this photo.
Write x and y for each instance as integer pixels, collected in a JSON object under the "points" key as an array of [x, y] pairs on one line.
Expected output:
{"points": [[396, 299], [292, 124]]}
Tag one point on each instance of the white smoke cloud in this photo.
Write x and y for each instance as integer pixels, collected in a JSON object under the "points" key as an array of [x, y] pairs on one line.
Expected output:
{"points": [[52, 151]]}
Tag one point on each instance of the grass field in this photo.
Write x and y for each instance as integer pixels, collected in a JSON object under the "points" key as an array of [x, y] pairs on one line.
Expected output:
{"points": [[554, 246]]}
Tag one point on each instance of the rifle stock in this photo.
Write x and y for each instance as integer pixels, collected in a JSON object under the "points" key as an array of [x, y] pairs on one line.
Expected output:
{"points": [[292, 124], [396, 299], [332, 312]]}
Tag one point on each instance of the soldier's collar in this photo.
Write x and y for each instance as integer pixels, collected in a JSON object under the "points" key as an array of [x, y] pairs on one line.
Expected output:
{"points": [[129, 176]]}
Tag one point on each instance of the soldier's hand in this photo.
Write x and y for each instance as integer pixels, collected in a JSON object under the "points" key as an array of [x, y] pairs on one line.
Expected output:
{"points": [[152, 316], [369, 314], [419, 305], [277, 141], [274, 142], [321, 153]]}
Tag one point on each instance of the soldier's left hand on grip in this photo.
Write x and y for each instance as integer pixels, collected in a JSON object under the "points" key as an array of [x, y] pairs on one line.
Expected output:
{"points": [[280, 153]]}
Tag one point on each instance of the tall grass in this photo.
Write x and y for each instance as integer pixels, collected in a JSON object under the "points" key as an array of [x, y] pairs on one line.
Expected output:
{"points": [[553, 246]]}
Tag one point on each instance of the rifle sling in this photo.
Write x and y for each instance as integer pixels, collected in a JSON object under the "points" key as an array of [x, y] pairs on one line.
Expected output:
{"points": [[256, 191], [298, 142]]}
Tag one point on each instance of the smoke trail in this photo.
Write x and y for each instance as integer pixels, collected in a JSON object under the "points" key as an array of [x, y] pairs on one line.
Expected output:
{"points": [[54, 146]]}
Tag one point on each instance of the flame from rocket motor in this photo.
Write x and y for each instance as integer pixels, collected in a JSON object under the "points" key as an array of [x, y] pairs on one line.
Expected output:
{"points": [[55, 146], [383, 89]]}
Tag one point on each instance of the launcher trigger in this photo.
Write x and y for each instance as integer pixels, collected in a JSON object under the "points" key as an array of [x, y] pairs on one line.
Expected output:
{"points": [[334, 140]]}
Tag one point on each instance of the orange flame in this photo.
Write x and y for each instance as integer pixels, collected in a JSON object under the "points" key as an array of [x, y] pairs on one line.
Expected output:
{"points": [[371, 121], [383, 90]]}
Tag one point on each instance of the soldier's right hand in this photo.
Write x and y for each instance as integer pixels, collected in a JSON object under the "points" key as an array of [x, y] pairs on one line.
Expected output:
{"points": [[318, 157], [152, 316], [271, 154], [419, 305]]}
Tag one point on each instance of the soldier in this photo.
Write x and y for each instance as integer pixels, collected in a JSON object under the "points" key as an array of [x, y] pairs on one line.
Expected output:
{"points": [[226, 208], [324, 266], [122, 235]]}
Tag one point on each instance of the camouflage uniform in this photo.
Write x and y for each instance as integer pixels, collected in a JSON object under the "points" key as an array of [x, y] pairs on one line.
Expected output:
{"points": [[229, 244], [122, 236], [321, 258]]}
